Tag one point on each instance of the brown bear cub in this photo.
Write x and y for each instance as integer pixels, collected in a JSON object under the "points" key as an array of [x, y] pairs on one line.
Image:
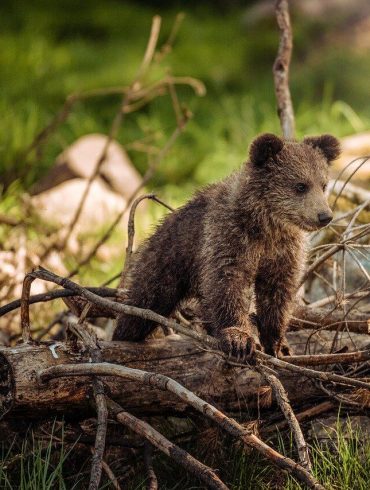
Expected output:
{"points": [[237, 241]]}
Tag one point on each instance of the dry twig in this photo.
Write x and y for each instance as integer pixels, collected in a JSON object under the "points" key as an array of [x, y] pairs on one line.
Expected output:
{"points": [[192, 465], [61, 293], [283, 402], [100, 401], [301, 416], [131, 229], [281, 69]]}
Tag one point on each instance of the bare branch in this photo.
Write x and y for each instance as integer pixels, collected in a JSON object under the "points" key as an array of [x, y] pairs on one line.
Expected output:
{"points": [[150, 49], [61, 293], [100, 401], [25, 308], [131, 229], [333, 250], [283, 402], [101, 432], [327, 359], [304, 415], [281, 69], [195, 467]]}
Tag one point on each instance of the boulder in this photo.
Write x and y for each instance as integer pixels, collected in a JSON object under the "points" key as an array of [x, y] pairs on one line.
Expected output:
{"points": [[80, 159], [59, 204]]}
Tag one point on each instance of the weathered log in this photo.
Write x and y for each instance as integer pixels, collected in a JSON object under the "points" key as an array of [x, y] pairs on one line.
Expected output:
{"points": [[205, 373], [229, 388]]}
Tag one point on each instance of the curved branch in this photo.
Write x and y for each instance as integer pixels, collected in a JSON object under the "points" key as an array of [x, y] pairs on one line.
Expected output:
{"points": [[165, 383], [203, 472]]}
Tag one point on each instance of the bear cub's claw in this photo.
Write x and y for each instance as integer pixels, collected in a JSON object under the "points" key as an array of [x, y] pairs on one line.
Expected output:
{"points": [[237, 343]]}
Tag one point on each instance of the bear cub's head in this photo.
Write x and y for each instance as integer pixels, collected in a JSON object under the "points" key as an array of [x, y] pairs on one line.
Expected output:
{"points": [[291, 178]]}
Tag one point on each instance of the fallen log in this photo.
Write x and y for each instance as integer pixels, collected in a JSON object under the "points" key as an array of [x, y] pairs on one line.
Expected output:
{"points": [[205, 373]]}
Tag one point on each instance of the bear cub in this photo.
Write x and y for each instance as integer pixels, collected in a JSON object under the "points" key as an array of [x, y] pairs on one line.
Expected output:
{"points": [[238, 241]]}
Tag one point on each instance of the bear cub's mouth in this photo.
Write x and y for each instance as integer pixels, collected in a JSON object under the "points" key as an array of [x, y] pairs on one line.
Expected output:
{"points": [[312, 226]]}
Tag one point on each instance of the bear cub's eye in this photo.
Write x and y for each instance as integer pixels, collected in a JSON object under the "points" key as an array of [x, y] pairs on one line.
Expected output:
{"points": [[324, 187], [301, 188]]}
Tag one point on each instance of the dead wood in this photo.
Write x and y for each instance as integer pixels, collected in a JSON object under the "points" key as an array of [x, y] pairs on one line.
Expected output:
{"points": [[111, 475], [174, 356], [352, 192], [165, 383], [281, 69], [329, 319], [311, 412], [284, 404], [131, 229], [81, 331], [330, 359], [200, 371], [192, 465], [151, 478], [205, 340]]}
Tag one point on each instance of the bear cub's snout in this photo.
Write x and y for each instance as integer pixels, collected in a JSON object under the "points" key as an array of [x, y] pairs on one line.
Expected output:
{"points": [[324, 218]]}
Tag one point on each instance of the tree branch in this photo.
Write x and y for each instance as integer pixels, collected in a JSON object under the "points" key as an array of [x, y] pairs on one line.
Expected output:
{"points": [[192, 465], [281, 70]]}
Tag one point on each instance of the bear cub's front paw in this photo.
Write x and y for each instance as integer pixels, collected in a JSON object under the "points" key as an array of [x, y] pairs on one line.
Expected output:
{"points": [[237, 342]]}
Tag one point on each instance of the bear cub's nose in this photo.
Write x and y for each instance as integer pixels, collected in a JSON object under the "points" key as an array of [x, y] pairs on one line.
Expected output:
{"points": [[324, 218]]}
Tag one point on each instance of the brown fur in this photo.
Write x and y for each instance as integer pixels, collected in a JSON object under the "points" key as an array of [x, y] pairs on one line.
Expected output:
{"points": [[236, 240]]}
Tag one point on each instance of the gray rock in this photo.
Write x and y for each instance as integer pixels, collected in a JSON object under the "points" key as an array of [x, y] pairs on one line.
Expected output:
{"points": [[58, 205], [80, 159]]}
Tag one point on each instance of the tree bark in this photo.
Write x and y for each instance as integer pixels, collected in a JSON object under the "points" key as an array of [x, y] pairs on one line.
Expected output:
{"points": [[229, 388]]}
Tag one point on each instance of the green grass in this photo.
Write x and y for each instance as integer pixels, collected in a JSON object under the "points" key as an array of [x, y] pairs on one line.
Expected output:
{"points": [[341, 463], [51, 49], [36, 464]]}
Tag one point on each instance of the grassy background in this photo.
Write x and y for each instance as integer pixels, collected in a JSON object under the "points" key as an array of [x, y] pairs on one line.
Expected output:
{"points": [[52, 48]]}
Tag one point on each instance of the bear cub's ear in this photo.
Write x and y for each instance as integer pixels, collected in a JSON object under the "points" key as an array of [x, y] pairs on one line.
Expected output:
{"points": [[327, 144], [264, 147]]}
